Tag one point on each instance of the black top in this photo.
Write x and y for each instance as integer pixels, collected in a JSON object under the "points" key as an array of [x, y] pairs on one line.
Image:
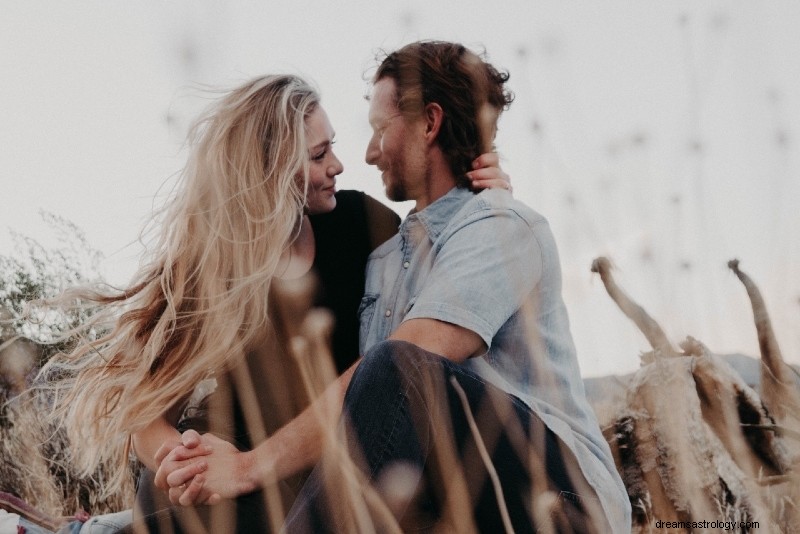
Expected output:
{"points": [[342, 248]]}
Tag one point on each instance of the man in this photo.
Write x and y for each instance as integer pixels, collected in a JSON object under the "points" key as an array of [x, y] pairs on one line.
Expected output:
{"points": [[464, 270], [468, 386]]}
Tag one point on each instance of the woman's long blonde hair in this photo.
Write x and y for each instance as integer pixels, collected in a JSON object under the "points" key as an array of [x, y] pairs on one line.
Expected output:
{"points": [[201, 301]]}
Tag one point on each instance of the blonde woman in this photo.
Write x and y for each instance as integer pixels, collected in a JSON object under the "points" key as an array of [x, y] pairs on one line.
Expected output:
{"points": [[261, 162]]}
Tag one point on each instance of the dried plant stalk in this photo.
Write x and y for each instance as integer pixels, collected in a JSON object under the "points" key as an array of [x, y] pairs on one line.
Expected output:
{"points": [[646, 324], [693, 441], [778, 388]]}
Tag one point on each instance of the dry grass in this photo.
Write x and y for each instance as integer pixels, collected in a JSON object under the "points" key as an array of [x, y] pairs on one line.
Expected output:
{"points": [[34, 466], [691, 440]]}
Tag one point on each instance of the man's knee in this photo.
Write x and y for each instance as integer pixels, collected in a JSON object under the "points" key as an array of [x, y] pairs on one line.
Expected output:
{"points": [[395, 363]]}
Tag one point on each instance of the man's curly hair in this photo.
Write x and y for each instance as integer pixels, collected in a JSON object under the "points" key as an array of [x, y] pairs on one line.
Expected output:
{"points": [[462, 83]]}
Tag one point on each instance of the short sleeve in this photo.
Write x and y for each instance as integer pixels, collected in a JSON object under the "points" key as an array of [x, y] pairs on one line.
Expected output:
{"points": [[484, 269]]}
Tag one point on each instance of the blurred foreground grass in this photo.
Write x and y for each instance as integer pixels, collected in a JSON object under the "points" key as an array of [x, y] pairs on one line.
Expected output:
{"points": [[692, 441]]}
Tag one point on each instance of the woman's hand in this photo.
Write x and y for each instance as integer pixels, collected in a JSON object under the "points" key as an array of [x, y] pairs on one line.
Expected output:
{"points": [[204, 470], [175, 454], [188, 447], [487, 174]]}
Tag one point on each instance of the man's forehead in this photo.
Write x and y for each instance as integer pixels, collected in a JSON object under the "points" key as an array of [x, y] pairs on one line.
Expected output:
{"points": [[382, 95]]}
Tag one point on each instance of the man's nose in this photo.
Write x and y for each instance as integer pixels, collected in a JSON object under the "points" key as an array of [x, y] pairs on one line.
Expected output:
{"points": [[373, 152]]}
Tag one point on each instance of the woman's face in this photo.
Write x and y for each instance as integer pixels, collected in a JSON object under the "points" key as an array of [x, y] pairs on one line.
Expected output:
{"points": [[324, 166]]}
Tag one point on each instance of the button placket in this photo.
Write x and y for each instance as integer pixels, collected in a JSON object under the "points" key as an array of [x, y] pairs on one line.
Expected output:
{"points": [[407, 247]]}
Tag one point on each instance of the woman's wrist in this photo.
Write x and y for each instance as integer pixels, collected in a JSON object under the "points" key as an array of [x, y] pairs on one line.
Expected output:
{"points": [[149, 443]]}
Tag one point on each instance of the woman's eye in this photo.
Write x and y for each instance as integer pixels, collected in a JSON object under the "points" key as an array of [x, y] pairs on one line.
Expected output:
{"points": [[320, 156]]}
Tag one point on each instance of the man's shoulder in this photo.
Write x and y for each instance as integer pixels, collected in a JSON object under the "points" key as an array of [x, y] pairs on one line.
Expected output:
{"points": [[494, 202]]}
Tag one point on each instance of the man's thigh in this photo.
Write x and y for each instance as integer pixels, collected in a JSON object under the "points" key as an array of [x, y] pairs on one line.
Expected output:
{"points": [[480, 449]]}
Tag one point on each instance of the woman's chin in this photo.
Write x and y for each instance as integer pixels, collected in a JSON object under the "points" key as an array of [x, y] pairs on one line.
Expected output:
{"points": [[321, 206]]}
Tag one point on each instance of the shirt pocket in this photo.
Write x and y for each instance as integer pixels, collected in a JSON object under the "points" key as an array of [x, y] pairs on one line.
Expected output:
{"points": [[366, 311], [409, 306]]}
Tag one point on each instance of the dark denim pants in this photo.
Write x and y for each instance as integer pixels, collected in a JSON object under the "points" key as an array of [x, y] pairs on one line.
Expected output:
{"points": [[415, 414]]}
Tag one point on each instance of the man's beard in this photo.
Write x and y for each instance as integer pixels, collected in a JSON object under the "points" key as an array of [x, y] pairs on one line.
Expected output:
{"points": [[396, 190]]}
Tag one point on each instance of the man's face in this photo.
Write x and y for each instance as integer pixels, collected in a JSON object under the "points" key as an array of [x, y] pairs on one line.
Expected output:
{"points": [[397, 145]]}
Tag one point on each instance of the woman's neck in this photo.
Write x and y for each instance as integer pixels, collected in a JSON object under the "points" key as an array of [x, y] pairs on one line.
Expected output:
{"points": [[298, 257]]}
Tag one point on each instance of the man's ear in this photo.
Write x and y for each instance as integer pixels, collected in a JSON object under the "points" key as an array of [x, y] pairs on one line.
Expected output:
{"points": [[434, 115]]}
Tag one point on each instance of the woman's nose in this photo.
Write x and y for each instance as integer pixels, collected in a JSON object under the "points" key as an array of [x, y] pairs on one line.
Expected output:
{"points": [[336, 167]]}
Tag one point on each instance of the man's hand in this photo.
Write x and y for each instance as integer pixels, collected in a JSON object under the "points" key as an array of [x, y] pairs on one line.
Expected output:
{"points": [[204, 470], [487, 174]]}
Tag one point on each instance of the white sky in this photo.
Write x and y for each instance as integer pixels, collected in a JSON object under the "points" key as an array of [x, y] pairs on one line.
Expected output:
{"points": [[664, 135]]}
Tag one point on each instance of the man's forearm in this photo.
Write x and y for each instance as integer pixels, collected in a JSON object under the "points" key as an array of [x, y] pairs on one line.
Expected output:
{"points": [[454, 342], [298, 445]]}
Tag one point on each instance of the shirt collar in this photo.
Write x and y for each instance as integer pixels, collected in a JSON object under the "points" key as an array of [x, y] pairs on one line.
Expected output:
{"points": [[435, 217]]}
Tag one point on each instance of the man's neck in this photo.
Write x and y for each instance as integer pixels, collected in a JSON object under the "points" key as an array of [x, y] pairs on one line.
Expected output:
{"points": [[440, 180]]}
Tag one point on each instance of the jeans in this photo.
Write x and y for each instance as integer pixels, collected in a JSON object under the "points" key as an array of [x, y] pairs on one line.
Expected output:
{"points": [[99, 524], [434, 426]]}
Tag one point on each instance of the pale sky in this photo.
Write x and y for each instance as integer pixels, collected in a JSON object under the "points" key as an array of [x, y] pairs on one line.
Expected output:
{"points": [[664, 135]]}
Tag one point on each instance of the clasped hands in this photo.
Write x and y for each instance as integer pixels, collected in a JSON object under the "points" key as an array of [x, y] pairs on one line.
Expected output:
{"points": [[201, 469]]}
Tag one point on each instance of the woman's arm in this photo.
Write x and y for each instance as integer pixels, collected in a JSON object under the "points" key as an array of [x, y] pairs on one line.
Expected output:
{"points": [[147, 442], [152, 444], [228, 473]]}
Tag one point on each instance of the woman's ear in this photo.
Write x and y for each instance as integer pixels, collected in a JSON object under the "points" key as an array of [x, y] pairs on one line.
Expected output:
{"points": [[434, 114]]}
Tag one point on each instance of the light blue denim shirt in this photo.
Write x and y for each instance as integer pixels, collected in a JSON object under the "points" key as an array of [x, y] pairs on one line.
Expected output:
{"points": [[489, 263]]}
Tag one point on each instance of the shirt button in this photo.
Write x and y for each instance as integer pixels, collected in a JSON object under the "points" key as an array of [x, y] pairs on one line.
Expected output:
{"points": [[388, 313], [406, 264]]}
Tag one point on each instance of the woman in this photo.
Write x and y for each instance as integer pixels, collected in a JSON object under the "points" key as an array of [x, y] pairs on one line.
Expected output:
{"points": [[262, 161]]}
